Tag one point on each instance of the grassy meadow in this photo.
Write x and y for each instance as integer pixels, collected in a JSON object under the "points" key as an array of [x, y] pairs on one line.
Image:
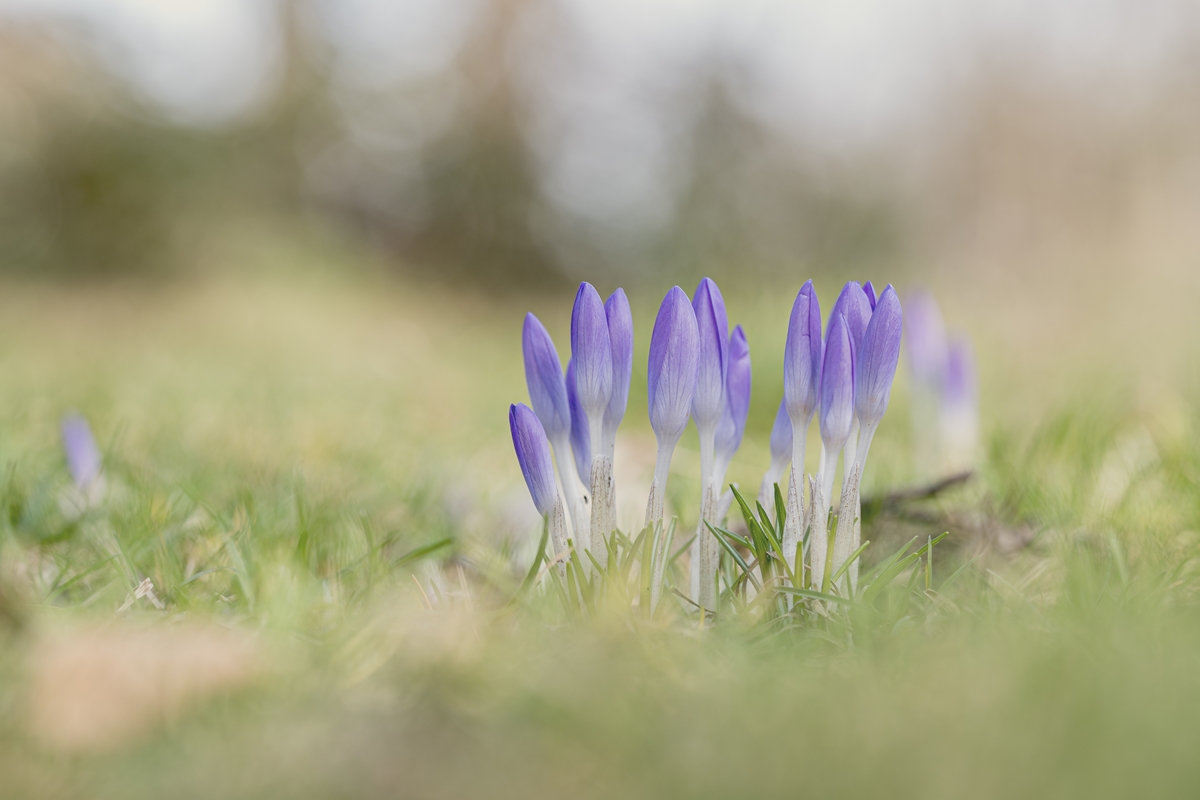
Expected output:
{"points": [[313, 470]]}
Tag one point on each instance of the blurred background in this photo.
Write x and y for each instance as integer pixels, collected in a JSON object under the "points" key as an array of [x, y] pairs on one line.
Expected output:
{"points": [[1036, 164]]}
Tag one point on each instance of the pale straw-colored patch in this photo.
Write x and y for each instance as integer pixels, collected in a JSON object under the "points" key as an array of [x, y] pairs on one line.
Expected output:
{"points": [[98, 688]]}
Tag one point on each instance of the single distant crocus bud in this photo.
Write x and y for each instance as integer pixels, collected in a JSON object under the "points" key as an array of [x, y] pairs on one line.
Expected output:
{"points": [[544, 378], [960, 408], [737, 403], [620, 334], [580, 446], [925, 339], [83, 456], [869, 290]]}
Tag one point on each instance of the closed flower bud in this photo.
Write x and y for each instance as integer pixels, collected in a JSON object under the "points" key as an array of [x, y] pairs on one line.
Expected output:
{"points": [[925, 339], [802, 356], [580, 447], [533, 454], [855, 305], [83, 456], [591, 350], [713, 326], [737, 401], [674, 360], [781, 436], [544, 377], [620, 334], [837, 385], [875, 365]]}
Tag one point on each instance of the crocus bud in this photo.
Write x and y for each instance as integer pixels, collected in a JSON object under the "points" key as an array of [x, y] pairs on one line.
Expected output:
{"points": [[781, 436], [544, 377], [837, 385], [533, 454], [875, 365], [713, 327], [674, 360], [869, 291], [737, 401], [591, 350], [854, 304], [83, 456], [620, 334], [959, 408], [581, 448], [925, 338], [802, 356]]}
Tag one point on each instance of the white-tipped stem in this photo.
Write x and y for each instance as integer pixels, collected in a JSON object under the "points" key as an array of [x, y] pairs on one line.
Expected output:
{"points": [[848, 453], [828, 474], [793, 531], [708, 547], [568, 487], [610, 448], [794, 524], [844, 541], [601, 526], [654, 517], [865, 436], [558, 534], [818, 536]]}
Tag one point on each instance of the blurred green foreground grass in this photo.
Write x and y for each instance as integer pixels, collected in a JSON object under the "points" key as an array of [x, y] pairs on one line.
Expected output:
{"points": [[286, 461]]}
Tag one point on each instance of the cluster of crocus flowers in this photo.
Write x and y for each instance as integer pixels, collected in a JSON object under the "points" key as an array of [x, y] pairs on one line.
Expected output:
{"points": [[945, 394], [698, 370]]}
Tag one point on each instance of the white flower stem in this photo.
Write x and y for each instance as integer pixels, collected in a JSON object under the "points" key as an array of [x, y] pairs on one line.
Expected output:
{"points": [[558, 534], [601, 484], [845, 542], [793, 526], [706, 543], [654, 518], [568, 485]]}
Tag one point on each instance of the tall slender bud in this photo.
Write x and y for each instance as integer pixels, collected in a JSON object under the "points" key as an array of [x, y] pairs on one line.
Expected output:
{"points": [[960, 408], [591, 350], [580, 446], [781, 455], [732, 426], [544, 378], [875, 367], [533, 455], [802, 356], [713, 326], [620, 334]]}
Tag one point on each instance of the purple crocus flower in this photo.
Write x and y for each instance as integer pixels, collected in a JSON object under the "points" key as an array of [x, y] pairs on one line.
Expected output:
{"points": [[837, 388], [802, 356], [580, 446], [591, 350], [876, 363], [620, 334], [83, 456], [855, 305], [959, 387], [713, 327], [737, 402], [544, 377], [925, 337], [533, 454], [673, 364], [869, 290], [781, 454]]}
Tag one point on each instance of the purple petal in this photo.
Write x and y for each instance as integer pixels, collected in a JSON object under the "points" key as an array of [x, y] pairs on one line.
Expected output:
{"points": [[837, 385], [620, 334], [581, 446], [781, 434], [533, 454], [737, 397], [591, 350], [674, 361], [960, 387], [876, 363], [802, 356], [713, 325], [855, 306], [869, 290], [925, 338], [83, 456], [544, 377]]}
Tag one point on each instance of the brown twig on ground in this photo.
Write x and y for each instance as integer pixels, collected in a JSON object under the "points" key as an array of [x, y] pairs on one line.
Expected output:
{"points": [[894, 500]]}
